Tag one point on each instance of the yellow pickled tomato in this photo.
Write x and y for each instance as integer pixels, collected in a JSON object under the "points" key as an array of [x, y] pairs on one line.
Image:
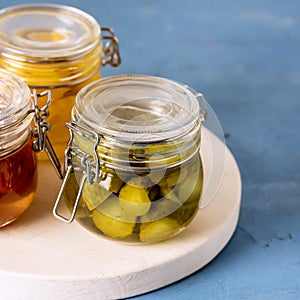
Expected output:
{"points": [[134, 200], [94, 194], [114, 183], [158, 230], [109, 219]]}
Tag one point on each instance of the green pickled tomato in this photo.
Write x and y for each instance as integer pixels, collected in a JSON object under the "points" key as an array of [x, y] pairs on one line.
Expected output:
{"points": [[70, 194], [94, 194], [140, 182], [170, 194], [159, 209], [171, 177], [112, 227], [71, 191], [158, 230], [168, 177], [134, 200], [186, 212], [154, 192], [190, 189], [110, 219]]}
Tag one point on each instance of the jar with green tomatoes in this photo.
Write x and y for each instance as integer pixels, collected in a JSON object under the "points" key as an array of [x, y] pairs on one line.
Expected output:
{"points": [[133, 166]]}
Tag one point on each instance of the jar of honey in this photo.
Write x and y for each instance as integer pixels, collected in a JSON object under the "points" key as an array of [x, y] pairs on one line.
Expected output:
{"points": [[56, 47], [133, 168], [19, 141]]}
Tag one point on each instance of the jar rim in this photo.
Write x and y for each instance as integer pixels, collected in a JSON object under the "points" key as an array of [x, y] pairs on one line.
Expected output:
{"points": [[15, 99], [45, 32], [138, 108]]}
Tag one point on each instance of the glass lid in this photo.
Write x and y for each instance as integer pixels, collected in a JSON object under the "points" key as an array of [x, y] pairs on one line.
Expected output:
{"points": [[47, 32], [15, 99], [137, 107]]}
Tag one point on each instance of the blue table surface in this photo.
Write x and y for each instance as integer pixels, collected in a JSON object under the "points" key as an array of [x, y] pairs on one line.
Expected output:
{"points": [[244, 56]]}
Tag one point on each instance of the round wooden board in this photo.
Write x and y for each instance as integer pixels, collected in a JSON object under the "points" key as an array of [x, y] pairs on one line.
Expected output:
{"points": [[44, 258]]}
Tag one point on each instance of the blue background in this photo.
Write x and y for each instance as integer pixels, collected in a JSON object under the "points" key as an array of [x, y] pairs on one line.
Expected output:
{"points": [[245, 57]]}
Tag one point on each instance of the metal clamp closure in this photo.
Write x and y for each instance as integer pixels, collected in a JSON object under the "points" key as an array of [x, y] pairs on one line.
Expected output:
{"points": [[89, 161], [111, 48], [41, 129]]}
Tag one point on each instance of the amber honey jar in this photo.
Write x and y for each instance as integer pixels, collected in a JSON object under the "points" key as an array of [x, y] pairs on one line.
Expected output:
{"points": [[23, 132], [133, 166], [56, 47]]}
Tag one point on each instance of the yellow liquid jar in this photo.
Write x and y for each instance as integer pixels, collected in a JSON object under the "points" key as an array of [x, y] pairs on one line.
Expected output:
{"points": [[55, 47], [133, 168]]}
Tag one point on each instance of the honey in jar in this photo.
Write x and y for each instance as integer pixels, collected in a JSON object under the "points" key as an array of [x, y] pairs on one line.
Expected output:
{"points": [[57, 47], [23, 133], [18, 170], [18, 182], [133, 168]]}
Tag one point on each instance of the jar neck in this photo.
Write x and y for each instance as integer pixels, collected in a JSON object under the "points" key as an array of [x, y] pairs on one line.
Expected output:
{"points": [[14, 137], [140, 156], [53, 73]]}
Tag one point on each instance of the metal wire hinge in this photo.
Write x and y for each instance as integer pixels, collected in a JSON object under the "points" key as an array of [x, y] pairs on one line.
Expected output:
{"points": [[111, 49], [203, 112], [89, 165], [199, 96], [41, 129]]}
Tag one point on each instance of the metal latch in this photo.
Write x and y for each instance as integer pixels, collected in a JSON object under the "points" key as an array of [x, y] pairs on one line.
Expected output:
{"points": [[89, 165], [41, 129], [110, 49]]}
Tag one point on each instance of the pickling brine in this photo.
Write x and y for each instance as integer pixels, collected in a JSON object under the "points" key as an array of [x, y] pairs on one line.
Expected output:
{"points": [[149, 206]]}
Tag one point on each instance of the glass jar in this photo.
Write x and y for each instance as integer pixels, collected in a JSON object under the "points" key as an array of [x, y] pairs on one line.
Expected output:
{"points": [[52, 46], [19, 141], [133, 168]]}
